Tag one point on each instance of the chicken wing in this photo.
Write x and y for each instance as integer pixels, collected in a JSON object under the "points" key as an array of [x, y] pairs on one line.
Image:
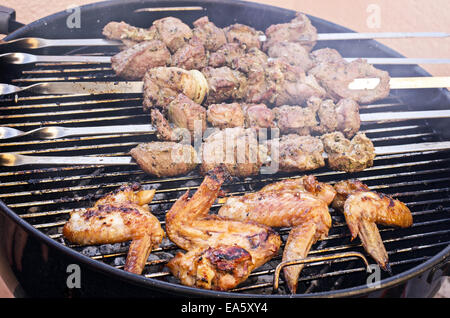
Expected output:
{"points": [[301, 204], [221, 253], [363, 209], [120, 216]]}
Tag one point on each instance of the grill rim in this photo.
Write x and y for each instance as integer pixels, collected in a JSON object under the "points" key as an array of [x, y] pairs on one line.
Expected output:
{"points": [[179, 289]]}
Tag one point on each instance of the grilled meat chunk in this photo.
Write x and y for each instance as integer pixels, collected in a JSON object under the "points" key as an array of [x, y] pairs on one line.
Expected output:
{"points": [[296, 153], [258, 116], [298, 30], [347, 155], [133, 62], [293, 53], [325, 55], [236, 149], [293, 86], [120, 216], [225, 55], [226, 115], [243, 35], [335, 75], [326, 115], [173, 32], [287, 203], [295, 119], [127, 33], [165, 159], [343, 116], [185, 113], [221, 252], [348, 120], [163, 84], [224, 84], [363, 209], [164, 131], [211, 36], [191, 56]]}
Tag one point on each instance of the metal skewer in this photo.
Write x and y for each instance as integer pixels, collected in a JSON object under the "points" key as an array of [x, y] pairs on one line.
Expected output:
{"points": [[26, 58], [54, 132], [14, 159]]}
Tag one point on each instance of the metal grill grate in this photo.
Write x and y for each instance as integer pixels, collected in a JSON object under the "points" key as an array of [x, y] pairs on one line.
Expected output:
{"points": [[45, 196]]}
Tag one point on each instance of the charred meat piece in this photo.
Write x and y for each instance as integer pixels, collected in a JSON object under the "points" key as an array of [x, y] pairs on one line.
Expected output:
{"points": [[298, 30], [236, 149], [293, 53], [125, 32], [226, 115], [336, 75], [295, 153], [225, 55], [133, 62], [364, 209], [347, 155], [295, 119], [224, 84], [173, 32], [163, 84], [221, 252], [120, 216], [243, 35], [191, 56], [165, 159], [211, 36], [288, 204]]}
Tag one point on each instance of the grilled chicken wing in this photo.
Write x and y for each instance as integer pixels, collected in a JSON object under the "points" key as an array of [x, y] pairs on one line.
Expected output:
{"points": [[120, 216], [363, 209], [221, 252], [301, 204]]}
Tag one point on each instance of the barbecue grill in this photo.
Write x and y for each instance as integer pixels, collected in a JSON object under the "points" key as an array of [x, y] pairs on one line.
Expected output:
{"points": [[40, 198]]}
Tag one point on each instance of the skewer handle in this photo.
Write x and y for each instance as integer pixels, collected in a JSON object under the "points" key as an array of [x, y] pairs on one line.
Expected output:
{"points": [[402, 82]]}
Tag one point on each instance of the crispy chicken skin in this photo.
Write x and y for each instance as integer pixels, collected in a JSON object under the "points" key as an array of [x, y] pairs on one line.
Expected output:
{"points": [[363, 209], [298, 203], [221, 253], [120, 216]]}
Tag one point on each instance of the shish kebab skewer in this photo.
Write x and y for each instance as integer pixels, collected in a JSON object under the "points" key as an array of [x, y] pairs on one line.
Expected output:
{"points": [[19, 58], [136, 87], [54, 132], [14, 159]]}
